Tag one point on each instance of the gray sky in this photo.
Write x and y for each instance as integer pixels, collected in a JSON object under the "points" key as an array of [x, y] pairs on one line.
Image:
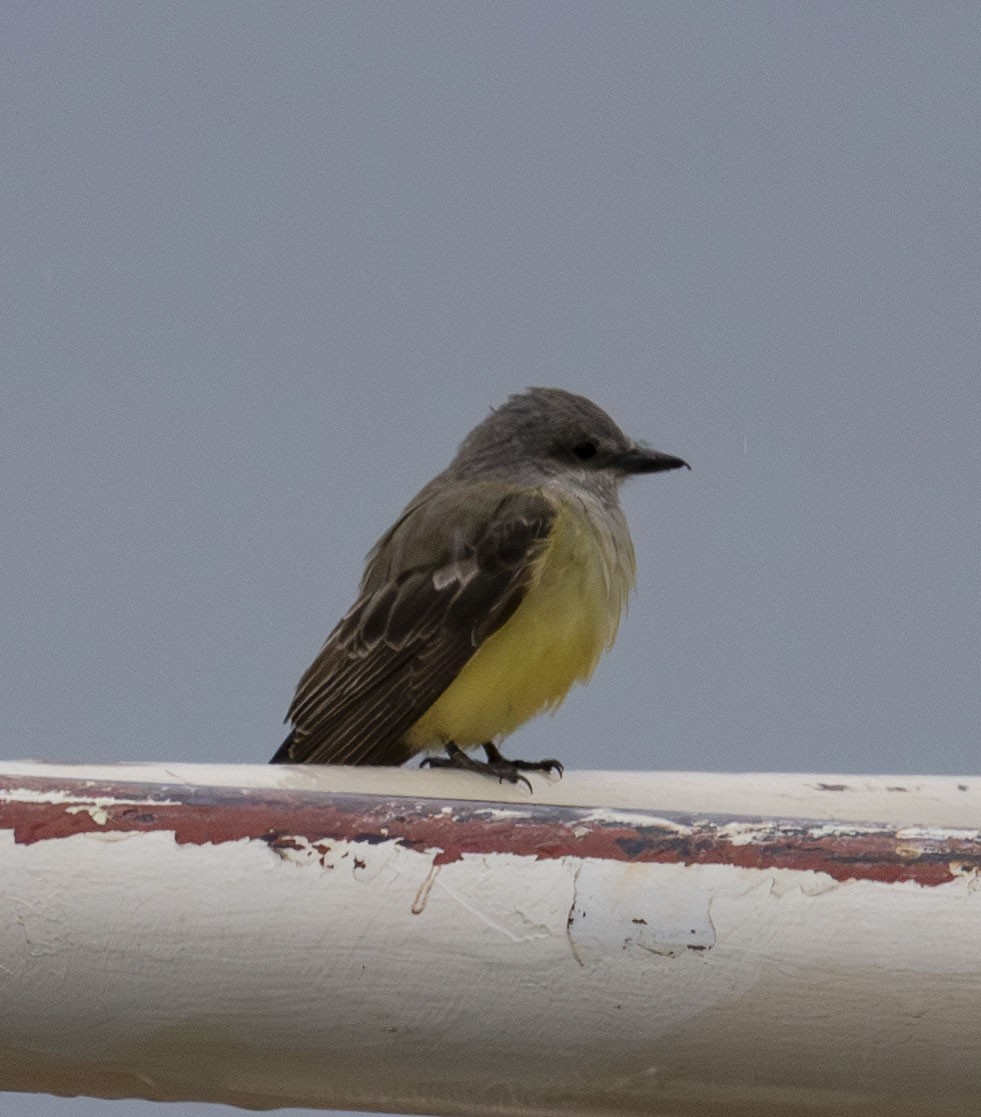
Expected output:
{"points": [[266, 264]]}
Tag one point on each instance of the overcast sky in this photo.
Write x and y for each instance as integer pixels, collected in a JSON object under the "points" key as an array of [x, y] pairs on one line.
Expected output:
{"points": [[264, 265]]}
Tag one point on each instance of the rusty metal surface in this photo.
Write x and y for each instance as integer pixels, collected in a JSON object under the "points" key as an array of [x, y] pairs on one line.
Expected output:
{"points": [[183, 935], [43, 808]]}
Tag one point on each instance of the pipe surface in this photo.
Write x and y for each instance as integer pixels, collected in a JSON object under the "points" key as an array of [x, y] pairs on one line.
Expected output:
{"points": [[429, 942]]}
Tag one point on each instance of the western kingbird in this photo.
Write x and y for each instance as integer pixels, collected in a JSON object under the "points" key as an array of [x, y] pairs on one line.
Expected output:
{"points": [[498, 587]]}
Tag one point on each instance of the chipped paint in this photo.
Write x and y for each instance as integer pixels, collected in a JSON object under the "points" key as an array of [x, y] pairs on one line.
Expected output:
{"points": [[39, 808], [98, 812], [248, 944]]}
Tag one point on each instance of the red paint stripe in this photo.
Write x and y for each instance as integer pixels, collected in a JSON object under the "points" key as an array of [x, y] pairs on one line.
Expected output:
{"points": [[284, 818]]}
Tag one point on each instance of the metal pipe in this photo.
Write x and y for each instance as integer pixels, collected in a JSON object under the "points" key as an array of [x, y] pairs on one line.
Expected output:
{"points": [[426, 942]]}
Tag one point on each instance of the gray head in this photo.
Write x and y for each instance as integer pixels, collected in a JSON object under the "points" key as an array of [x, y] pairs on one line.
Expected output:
{"points": [[553, 431]]}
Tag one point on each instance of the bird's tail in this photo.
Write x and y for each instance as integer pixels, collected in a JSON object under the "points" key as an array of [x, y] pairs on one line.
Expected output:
{"points": [[283, 752], [306, 750]]}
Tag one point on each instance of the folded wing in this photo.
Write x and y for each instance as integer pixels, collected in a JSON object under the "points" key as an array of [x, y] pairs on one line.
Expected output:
{"points": [[418, 620]]}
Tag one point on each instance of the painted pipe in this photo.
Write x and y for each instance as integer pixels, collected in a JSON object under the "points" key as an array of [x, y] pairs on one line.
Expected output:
{"points": [[429, 942]]}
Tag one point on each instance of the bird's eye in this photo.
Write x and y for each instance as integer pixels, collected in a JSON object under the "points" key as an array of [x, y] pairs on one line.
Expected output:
{"points": [[584, 451]]}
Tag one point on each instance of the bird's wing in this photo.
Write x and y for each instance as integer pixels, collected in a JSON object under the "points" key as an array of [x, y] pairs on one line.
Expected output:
{"points": [[417, 622]]}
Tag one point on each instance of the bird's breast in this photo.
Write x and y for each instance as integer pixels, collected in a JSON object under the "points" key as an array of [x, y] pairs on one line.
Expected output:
{"points": [[567, 619]]}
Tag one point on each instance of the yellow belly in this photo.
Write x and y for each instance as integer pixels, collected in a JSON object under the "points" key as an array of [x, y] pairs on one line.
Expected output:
{"points": [[555, 638]]}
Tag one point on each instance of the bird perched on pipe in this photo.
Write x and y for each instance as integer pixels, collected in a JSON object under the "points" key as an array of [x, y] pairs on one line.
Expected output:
{"points": [[498, 587]]}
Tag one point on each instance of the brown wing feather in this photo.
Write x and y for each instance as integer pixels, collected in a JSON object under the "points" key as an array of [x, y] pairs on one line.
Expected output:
{"points": [[406, 640]]}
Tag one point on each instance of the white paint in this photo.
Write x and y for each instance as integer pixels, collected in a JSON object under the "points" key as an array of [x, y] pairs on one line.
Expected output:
{"points": [[620, 909], [358, 975], [947, 801]]}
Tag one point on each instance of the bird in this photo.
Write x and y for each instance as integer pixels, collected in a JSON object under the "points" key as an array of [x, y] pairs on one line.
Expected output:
{"points": [[498, 588]]}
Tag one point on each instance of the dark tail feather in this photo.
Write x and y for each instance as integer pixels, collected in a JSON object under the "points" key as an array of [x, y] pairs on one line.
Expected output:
{"points": [[283, 752], [388, 753]]}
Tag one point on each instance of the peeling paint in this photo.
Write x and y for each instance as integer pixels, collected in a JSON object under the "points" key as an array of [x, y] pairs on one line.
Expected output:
{"points": [[96, 811], [302, 824], [622, 961]]}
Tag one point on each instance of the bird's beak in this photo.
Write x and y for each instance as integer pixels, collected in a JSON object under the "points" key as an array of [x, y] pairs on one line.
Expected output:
{"points": [[641, 459]]}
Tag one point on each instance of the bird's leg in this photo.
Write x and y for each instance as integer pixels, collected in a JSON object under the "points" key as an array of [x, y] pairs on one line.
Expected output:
{"points": [[494, 765], [457, 758], [495, 760]]}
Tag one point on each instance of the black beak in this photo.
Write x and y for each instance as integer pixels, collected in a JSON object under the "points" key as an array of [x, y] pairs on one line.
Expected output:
{"points": [[640, 459]]}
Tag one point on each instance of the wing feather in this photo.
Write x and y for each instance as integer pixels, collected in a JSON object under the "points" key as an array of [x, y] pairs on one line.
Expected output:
{"points": [[412, 630]]}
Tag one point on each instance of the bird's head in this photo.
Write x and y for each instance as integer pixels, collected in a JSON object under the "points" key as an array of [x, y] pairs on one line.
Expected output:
{"points": [[550, 431]]}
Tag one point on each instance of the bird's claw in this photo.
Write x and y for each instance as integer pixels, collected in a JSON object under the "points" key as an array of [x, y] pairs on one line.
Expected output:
{"points": [[507, 771]]}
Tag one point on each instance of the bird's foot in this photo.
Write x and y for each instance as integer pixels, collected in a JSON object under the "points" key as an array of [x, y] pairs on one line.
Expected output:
{"points": [[495, 764], [546, 766]]}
